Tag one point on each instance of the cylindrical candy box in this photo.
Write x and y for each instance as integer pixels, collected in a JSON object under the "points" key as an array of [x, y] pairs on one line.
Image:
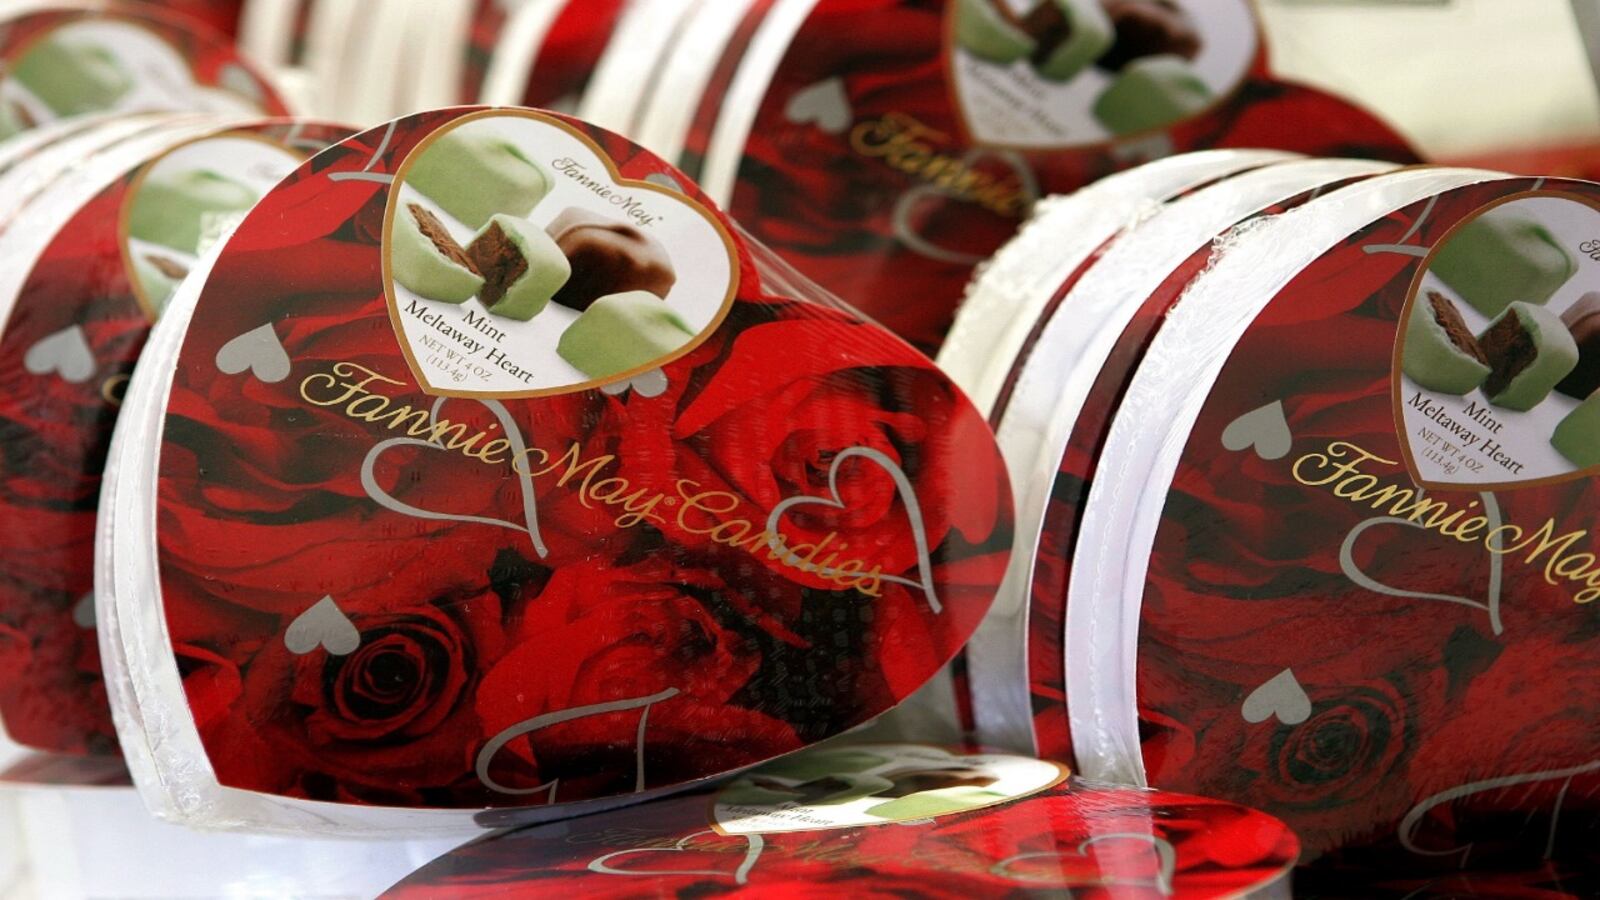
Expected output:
{"points": [[1054, 409], [90, 264], [1337, 561], [885, 148], [888, 820], [487, 466]]}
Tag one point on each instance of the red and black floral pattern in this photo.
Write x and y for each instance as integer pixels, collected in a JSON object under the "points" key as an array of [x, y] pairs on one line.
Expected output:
{"points": [[466, 631]]}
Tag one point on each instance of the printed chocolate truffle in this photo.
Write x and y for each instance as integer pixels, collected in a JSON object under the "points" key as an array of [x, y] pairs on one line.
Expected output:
{"points": [[1503, 257], [1071, 35], [608, 257], [521, 265], [1529, 353], [1441, 353], [1148, 28], [159, 278], [1583, 321], [990, 33], [173, 208], [1578, 435], [475, 174], [1152, 93], [427, 260], [73, 77], [622, 332]]}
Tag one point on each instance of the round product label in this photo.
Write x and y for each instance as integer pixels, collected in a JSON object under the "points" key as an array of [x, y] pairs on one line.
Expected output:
{"points": [[900, 143], [78, 325], [69, 62], [1041, 832], [493, 475], [1370, 604]]}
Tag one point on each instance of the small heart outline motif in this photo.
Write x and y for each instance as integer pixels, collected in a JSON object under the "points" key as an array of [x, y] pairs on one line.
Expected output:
{"points": [[1265, 430], [1281, 697], [651, 384], [908, 498], [66, 353], [530, 507], [1166, 860], [754, 846], [259, 351], [1497, 564], [824, 104], [324, 625]]}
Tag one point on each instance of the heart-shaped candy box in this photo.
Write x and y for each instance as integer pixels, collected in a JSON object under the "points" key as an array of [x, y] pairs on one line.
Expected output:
{"points": [[492, 474]]}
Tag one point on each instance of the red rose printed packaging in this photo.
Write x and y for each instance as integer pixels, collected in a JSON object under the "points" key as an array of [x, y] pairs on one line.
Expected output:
{"points": [[1337, 559], [891, 820], [488, 467], [90, 263], [1053, 409], [886, 147], [543, 53], [75, 60]]}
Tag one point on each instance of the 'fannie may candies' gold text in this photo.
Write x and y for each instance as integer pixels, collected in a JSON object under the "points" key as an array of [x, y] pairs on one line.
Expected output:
{"points": [[351, 389], [1341, 469]]}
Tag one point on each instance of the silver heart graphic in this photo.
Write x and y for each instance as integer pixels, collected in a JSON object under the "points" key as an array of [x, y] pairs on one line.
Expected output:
{"points": [[530, 508], [651, 384], [824, 104], [754, 845], [1166, 860], [323, 625], [1491, 511], [83, 611], [1282, 697], [1407, 832], [257, 350], [905, 208], [1265, 429], [66, 352], [908, 497]]}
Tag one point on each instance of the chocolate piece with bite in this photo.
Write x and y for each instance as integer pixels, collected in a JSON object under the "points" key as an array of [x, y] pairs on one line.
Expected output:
{"points": [[435, 232], [426, 259], [1148, 28], [521, 265], [1441, 353], [1068, 35], [1529, 352], [1583, 321], [608, 257]]}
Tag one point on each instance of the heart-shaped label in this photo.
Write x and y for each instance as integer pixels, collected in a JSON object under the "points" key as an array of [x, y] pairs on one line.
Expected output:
{"points": [[701, 842], [1281, 698], [875, 784], [65, 353], [518, 263], [323, 625], [1498, 355], [1074, 73], [1265, 430], [824, 104], [257, 351]]}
